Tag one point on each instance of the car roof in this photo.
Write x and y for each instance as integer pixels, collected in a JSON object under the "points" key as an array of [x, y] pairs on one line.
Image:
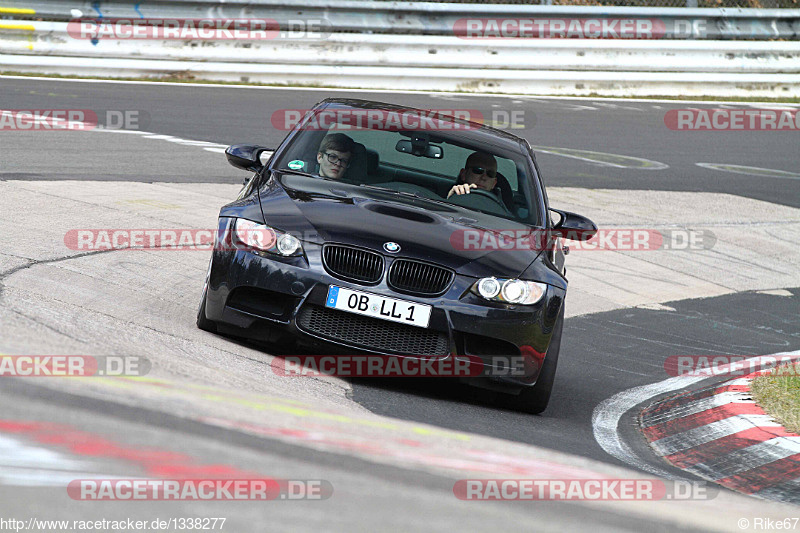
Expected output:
{"points": [[479, 133]]}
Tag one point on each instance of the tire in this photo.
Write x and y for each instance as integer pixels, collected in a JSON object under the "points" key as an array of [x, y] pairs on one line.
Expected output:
{"points": [[202, 322], [534, 399]]}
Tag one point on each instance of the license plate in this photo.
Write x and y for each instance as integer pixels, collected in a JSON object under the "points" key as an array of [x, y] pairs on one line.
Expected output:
{"points": [[364, 303]]}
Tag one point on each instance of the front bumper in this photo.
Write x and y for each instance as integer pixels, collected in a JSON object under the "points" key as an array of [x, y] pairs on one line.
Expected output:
{"points": [[263, 297]]}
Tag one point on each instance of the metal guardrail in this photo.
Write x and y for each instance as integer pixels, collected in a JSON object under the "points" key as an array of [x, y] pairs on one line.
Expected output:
{"points": [[757, 4], [680, 84], [396, 45], [426, 18], [347, 49]]}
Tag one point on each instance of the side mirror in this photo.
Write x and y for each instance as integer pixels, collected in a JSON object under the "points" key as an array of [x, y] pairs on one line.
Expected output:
{"points": [[245, 156], [574, 227]]}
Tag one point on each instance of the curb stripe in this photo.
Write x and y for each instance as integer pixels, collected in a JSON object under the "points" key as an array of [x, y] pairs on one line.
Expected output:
{"points": [[785, 469], [740, 387], [693, 408], [705, 417], [722, 446], [748, 458], [744, 382], [788, 491], [608, 414], [726, 437], [711, 432], [677, 402]]}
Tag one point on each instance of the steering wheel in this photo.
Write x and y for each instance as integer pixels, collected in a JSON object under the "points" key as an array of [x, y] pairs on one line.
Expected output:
{"points": [[481, 196]]}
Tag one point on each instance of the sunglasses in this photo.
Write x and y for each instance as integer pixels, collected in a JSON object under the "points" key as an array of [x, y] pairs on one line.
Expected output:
{"points": [[482, 170], [334, 160]]}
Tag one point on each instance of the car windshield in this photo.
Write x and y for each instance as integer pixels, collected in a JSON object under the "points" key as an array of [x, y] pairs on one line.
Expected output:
{"points": [[377, 151]]}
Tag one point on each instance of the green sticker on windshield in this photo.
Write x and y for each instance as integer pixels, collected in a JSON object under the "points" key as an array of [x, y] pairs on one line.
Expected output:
{"points": [[296, 164]]}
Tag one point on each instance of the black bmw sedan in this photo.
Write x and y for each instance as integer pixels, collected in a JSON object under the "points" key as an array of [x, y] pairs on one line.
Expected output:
{"points": [[380, 229]]}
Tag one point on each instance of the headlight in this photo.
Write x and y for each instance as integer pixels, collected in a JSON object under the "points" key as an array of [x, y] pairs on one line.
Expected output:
{"points": [[288, 244], [488, 288], [260, 238], [510, 291]]}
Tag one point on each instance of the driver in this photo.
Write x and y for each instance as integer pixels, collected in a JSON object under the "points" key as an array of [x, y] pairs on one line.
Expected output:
{"points": [[479, 172], [334, 155]]}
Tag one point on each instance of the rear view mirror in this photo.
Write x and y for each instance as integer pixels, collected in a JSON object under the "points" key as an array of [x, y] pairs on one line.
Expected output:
{"points": [[420, 150], [574, 227]]}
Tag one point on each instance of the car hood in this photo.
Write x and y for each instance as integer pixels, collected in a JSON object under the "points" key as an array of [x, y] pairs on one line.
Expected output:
{"points": [[325, 211]]}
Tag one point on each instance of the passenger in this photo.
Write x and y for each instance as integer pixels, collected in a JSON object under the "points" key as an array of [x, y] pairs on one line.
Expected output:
{"points": [[334, 155], [479, 172]]}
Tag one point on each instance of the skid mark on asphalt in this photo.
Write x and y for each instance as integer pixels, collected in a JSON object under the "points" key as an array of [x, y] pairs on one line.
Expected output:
{"points": [[33, 262], [334, 432], [266, 403], [475, 460]]}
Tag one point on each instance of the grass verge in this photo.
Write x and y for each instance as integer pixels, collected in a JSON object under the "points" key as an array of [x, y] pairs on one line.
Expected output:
{"points": [[778, 393]]}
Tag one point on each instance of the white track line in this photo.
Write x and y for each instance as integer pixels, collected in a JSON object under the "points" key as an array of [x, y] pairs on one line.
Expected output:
{"points": [[748, 458], [393, 91], [699, 406], [690, 438], [27, 465]]}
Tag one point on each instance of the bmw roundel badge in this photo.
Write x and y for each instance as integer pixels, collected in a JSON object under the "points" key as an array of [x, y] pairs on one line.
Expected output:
{"points": [[391, 247]]}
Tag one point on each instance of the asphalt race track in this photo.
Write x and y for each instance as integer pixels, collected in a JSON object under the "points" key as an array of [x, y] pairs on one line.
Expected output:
{"points": [[391, 449], [229, 115]]}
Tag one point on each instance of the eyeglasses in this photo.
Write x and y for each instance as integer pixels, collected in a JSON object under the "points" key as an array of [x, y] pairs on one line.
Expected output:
{"points": [[481, 170], [334, 160]]}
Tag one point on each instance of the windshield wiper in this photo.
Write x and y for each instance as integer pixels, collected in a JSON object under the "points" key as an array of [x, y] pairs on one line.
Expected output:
{"points": [[387, 189], [407, 193]]}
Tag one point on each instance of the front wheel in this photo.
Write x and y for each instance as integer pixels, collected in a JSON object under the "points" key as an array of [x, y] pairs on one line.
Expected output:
{"points": [[534, 399], [202, 322]]}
